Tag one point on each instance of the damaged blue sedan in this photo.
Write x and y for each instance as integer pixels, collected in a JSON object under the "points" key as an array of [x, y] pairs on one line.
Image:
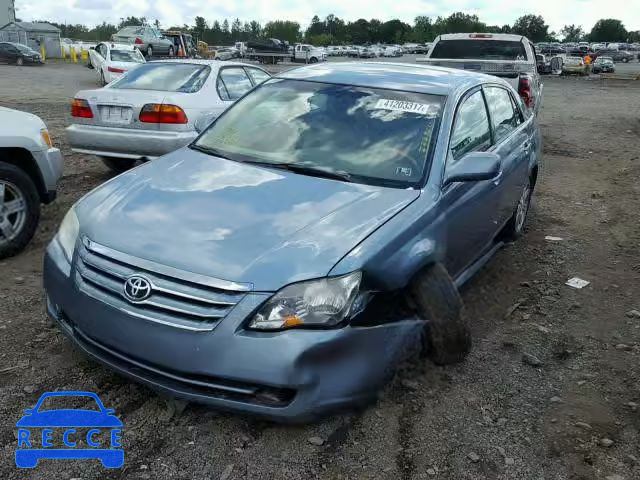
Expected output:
{"points": [[304, 243]]}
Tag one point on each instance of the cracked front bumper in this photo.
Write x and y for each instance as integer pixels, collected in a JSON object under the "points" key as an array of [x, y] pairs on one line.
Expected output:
{"points": [[294, 375]]}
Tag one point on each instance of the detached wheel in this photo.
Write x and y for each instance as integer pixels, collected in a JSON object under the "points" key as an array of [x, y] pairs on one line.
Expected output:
{"points": [[515, 227], [447, 337], [118, 165], [19, 210]]}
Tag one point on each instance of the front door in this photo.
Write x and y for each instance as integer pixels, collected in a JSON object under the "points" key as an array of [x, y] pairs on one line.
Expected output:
{"points": [[469, 207]]}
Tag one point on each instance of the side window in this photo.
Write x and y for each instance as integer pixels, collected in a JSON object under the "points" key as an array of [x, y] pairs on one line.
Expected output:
{"points": [[471, 128], [101, 50], [258, 76], [233, 83], [503, 117]]}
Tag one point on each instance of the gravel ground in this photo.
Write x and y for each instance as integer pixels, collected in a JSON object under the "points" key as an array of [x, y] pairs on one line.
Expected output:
{"points": [[550, 391]]}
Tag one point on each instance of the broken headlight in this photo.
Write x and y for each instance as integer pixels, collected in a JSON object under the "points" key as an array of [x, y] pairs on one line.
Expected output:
{"points": [[316, 303]]}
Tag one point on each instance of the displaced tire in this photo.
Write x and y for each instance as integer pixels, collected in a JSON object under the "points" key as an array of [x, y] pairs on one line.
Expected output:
{"points": [[19, 209], [447, 338], [118, 165], [514, 228], [19, 61]]}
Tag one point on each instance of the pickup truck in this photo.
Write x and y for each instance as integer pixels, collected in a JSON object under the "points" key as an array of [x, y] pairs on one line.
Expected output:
{"points": [[511, 57], [29, 171]]}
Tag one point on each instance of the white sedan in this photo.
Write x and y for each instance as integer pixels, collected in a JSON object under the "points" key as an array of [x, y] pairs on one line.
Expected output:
{"points": [[156, 108], [112, 60]]}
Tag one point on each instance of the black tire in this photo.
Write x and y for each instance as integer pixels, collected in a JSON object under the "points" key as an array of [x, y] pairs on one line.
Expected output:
{"points": [[19, 61], [514, 228], [118, 165], [447, 337], [313, 60], [21, 181]]}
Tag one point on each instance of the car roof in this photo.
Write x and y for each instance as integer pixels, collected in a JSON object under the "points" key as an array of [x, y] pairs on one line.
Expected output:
{"points": [[201, 61], [395, 76], [485, 36]]}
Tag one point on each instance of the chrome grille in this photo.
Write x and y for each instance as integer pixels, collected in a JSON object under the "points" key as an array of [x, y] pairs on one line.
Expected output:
{"points": [[178, 298]]}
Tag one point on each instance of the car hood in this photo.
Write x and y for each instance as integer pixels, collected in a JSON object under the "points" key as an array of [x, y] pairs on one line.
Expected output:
{"points": [[69, 418], [235, 221]]}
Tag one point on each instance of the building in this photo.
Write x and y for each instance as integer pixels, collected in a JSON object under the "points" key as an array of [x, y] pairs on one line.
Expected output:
{"points": [[7, 11], [33, 35]]}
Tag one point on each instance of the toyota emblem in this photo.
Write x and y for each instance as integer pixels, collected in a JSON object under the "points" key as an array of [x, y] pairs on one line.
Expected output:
{"points": [[137, 288]]}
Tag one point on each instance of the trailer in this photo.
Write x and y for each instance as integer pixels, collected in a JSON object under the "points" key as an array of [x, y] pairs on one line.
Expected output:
{"points": [[301, 53]]}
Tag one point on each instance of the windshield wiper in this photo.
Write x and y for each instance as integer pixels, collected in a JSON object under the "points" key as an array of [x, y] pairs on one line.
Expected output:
{"points": [[209, 151], [306, 170]]}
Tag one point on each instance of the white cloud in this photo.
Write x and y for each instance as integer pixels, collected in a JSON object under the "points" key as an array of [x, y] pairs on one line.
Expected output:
{"points": [[556, 12]]}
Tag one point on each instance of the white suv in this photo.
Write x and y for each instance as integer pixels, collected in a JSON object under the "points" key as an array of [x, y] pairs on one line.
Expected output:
{"points": [[29, 172]]}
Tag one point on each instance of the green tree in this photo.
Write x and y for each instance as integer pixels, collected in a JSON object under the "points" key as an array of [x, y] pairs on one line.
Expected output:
{"points": [[359, 31], [572, 33], [394, 31], [634, 37], [200, 28], [532, 26], [608, 30], [131, 21], [156, 24], [422, 30], [226, 33], [283, 30], [236, 28], [256, 29]]}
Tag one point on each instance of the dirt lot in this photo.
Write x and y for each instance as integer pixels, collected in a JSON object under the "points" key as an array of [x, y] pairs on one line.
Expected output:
{"points": [[574, 416]]}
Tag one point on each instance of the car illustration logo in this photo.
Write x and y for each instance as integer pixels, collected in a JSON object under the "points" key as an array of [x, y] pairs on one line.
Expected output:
{"points": [[69, 433], [137, 288]]}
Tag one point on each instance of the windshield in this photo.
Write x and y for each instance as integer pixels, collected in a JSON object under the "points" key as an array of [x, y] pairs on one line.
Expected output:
{"points": [[166, 77], [127, 56], [23, 48], [375, 136], [62, 402], [479, 49]]}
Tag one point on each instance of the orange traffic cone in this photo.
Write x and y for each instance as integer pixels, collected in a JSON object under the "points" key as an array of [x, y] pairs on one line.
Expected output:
{"points": [[181, 51]]}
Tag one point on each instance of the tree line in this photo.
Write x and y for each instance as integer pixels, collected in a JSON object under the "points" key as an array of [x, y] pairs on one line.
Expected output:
{"points": [[335, 31]]}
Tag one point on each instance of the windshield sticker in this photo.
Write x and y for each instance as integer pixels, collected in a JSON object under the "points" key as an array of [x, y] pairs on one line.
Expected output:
{"points": [[402, 106], [406, 171]]}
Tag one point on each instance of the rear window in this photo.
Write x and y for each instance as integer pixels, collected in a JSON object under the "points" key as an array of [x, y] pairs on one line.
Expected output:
{"points": [[166, 77], [479, 50], [129, 31], [127, 56]]}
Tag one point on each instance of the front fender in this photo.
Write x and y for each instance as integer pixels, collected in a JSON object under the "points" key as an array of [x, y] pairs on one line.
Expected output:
{"points": [[393, 254]]}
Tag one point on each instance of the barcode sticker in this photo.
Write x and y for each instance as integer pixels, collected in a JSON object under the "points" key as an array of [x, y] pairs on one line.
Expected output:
{"points": [[401, 106]]}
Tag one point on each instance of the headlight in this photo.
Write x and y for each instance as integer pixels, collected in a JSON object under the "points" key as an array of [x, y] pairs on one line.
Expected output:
{"points": [[68, 233], [324, 302]]}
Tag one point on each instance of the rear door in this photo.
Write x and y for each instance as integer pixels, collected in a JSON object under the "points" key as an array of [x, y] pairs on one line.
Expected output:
{"points": [[512, 144], [4, 52]]}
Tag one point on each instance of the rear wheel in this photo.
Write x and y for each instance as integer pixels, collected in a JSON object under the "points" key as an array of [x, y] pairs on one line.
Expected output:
{"points": [[118, 165], [313, 60], [19, 209], [447, 337], [515, 227]]}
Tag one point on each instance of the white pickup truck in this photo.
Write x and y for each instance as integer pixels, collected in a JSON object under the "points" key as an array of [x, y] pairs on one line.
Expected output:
{"points": [[511, 57]]}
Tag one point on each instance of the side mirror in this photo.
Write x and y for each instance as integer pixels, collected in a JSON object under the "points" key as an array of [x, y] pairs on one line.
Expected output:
{"points": [[204, 121], [473, 167]]}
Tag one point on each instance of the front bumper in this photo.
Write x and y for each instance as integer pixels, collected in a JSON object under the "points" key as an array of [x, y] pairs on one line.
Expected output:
{"points": [[50, 163], [286, 376], [126, 142]]}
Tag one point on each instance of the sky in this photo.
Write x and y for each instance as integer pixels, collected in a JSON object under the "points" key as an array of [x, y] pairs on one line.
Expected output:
{"points": [[557, 13]]}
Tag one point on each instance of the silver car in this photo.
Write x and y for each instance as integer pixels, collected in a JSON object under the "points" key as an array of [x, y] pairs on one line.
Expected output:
{"points": [[153, 109], [149, 40]]}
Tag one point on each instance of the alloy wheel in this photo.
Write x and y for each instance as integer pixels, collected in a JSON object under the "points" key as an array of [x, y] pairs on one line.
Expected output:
{"points": [[523, 208], [13, 211]]}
